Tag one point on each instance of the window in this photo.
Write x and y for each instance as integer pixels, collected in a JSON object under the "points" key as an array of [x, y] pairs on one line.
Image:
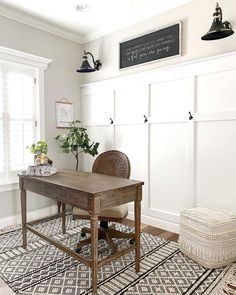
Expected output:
{"points": [[18, 116], [21, 110]]}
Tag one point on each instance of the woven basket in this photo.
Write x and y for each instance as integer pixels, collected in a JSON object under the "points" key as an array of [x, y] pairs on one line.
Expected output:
{"points": [[208, 236]]}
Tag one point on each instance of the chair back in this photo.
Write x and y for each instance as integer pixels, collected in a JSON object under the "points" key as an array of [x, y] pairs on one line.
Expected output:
{"points": [[112, 163]]}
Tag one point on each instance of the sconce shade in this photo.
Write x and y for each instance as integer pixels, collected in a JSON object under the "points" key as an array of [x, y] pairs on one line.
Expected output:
{"points": [[218, 28], [86, 68]]}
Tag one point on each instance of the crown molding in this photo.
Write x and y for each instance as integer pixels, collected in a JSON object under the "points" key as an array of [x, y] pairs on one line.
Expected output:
{"points": [[40, 24], [90, 37], [50, 28]]}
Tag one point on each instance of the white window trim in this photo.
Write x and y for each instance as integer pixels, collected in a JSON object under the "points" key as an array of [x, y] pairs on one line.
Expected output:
{"points": [[8, 54], [16, 56]]}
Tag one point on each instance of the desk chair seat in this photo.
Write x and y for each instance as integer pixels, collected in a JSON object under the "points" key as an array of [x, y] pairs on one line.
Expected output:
{"points": [[118, 212], [113, 163]]}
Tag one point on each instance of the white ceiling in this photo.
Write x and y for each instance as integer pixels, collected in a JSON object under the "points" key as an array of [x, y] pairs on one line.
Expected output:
{"points": [[104, 16]]}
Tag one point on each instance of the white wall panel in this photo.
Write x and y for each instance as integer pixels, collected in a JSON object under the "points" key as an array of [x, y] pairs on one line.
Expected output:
{"points": [[132, 140], [131, 103], [216, 92], [216, 164], [172, 100], [97, 106], [169, 167]]}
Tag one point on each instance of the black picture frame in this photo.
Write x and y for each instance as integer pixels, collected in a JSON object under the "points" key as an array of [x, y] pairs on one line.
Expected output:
{"points": [[163, 43]]}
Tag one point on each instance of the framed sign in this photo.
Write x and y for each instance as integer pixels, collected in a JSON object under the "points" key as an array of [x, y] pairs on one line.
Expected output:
{"points": [[64, 113], [163, 43]]}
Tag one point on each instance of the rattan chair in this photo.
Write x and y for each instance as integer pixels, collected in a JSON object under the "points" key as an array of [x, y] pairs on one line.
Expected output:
{"points": [[112, 163]]}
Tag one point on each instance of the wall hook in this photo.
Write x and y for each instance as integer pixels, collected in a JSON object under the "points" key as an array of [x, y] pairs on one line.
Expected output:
{"points": [[111, 121], [190, 116], [145, 119]]}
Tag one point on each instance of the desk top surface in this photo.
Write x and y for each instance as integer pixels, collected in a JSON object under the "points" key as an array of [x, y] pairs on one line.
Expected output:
{"points": [[88, 182]]}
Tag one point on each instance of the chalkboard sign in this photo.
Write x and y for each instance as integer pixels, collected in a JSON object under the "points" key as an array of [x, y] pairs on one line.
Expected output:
{"points": [[156, 45]]}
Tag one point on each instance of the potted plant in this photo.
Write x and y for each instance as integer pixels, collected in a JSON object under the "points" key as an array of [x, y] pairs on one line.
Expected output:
{"points": [[40, 147], [76, 141], [40, 150]]}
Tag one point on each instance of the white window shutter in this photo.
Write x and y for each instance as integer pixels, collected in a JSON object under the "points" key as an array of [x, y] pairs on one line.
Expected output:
{"points": [[21, 104], [20, 95]]}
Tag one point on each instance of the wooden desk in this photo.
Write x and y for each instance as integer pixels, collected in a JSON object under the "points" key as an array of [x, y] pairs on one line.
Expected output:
{"points": [[91, 192]]}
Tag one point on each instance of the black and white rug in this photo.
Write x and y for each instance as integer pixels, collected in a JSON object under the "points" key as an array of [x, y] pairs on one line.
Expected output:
{"points": [[43, 269]]}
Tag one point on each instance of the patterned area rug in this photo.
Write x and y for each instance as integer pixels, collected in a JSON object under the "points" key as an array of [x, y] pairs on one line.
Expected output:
{"points": [[43, 269], [226, 283]]}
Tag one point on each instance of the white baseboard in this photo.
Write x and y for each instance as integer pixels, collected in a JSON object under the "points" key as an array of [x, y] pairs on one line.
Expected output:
{"points": [[159, 223], [37, 214], [31, 215]]}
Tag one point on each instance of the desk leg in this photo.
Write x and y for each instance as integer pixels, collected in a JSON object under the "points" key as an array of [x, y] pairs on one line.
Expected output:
{"points": [[58, 207], [63, 218], [137, 218], [23, 216], [94, 251]]}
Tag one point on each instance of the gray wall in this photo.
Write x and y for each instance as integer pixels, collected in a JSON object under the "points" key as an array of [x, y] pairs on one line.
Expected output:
{"points": [[196, 17], [61, 80]]}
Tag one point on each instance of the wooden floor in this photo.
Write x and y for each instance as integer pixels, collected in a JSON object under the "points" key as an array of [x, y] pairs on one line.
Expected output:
{"points": [[4, 289], [155, 231]]}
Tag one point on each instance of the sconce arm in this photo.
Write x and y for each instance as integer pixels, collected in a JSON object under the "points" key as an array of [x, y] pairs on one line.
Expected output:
{"points": [[90, 55], [97, 63], [218, 13]]}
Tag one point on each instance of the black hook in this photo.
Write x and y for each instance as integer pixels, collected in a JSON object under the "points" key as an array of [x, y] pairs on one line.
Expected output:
{"points": [[111, 121], [145, 119], [190, 116]]}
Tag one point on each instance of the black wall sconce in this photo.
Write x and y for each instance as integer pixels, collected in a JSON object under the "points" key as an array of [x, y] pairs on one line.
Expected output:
{"points": [[218, 28], [86, 68]]}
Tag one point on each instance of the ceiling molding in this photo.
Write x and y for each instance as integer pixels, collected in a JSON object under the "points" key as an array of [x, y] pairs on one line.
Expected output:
{"points": [[71, 34], [40, 24], [90, 37], [108, 30]]}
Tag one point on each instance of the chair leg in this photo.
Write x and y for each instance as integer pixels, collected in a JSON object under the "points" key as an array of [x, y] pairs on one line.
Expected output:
{"points": [[101, 236], [105, 234], [121, 235], [82, 243], [85, 230], [110, 242], [58, 207]]}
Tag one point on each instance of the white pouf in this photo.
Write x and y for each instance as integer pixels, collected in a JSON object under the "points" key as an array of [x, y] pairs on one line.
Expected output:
{"points": [[208, 236]]}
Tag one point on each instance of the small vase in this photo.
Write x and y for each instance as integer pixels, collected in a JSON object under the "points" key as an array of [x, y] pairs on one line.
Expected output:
{"points": [[40, 159], [43, 159], [37, 159]]}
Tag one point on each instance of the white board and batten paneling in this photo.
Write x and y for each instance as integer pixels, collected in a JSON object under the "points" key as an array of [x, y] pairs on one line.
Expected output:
{"points": [[170, 146], [184, 162], [97, 116], [131, 132], [216, 139]]}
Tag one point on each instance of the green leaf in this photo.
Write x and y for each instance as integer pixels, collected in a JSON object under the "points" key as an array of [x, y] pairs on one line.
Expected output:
{"points": [[40, 147], [77, 140]]}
